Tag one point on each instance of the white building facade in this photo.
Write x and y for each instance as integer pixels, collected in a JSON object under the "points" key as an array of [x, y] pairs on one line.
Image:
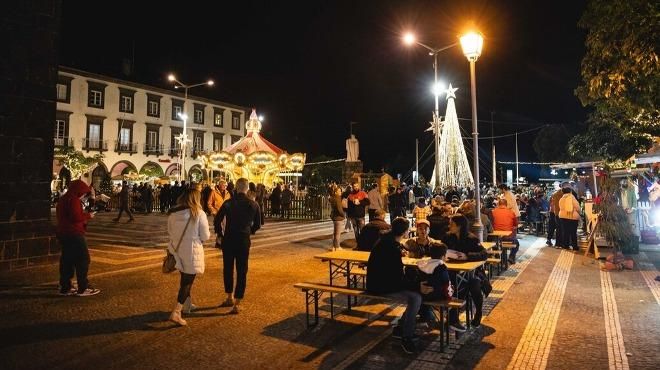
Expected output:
{"points": [[135, 125]]}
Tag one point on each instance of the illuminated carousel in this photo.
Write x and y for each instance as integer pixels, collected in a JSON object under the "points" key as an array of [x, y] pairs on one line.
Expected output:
{"points": [[254, 158]]}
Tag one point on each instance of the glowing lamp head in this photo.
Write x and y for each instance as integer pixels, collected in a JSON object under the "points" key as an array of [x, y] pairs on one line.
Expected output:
{"points": [[409, 38], [261, 118], [472, 44], [171, 77], [438, 88], [210, 82], [183, 116]]}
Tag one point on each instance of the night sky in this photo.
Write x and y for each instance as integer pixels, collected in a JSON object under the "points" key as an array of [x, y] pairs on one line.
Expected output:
{"points": [[311, 67]]}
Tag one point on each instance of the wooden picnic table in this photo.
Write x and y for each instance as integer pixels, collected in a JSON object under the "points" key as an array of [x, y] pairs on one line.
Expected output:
{"points": [[341, 261], [499, 234]]}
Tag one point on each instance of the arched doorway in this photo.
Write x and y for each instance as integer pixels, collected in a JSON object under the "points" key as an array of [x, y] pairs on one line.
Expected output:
{"points": [[196, 174], [100, 177], [172, 170], [152, 169], [122, 168]]}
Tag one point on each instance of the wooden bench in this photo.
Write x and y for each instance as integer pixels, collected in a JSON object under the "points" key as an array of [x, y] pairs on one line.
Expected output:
{"points": [[314, 291], [494, 262]]}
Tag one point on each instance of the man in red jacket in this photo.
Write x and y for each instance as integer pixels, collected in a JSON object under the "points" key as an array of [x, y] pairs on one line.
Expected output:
{"points": [[71, 226], [504, 219]]}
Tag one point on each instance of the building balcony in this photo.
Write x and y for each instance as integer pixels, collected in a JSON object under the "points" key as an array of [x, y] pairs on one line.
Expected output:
{"points": [[174, 152], [130, 148], [94, 145], [63, 142], [196, 152], [150, 149]]}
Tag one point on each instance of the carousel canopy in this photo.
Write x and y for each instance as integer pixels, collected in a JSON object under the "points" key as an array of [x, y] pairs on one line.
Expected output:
{"points": [[254, 157]]}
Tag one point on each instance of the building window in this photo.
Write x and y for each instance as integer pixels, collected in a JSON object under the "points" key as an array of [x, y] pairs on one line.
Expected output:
{"points": [[124, 137], [153, 108], [235, 138], [126, 97], [217, 142], [61, 134], [218, 117], [126, 104], [62, 92], [199, 143], [199, 113], [60, 129], [177, 109], [64, 88], [96, 94], [153, 105], [152, 139], [95, 98], [235, 122], [94, 139]]}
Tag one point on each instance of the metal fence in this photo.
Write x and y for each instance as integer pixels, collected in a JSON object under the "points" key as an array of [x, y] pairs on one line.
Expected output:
{"points": [[302, 207]]}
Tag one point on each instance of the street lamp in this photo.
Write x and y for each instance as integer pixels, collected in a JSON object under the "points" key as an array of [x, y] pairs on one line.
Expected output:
{"points": [[410, 39], [472, 44], [183, 138]]}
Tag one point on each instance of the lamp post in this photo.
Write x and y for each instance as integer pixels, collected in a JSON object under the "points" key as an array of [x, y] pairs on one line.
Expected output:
{"points": [[183, 138], [472, 44], [410, 39]]}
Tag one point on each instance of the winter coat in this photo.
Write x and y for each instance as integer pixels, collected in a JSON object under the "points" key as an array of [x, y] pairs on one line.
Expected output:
{"points": [[190, 255], [371, 233], [216, 199], [71, 219], [569, 207], [471, 246], [385, 268], [357, 210], [336, 210], [375, 199]]}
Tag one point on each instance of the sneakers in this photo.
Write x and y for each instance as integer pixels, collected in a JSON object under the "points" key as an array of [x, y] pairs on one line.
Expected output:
{"points": [[229, 302], [512, 261], [89, 292], [408, 345], [70, 292], [457, 326], [548, 243]]}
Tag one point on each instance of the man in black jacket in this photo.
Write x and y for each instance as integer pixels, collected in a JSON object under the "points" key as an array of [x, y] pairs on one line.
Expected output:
{"points": [[385, 276], [242, 220], [372, 231]]}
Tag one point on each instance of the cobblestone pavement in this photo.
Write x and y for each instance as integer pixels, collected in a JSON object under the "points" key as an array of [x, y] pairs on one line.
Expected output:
{"points": [[586, 319]]}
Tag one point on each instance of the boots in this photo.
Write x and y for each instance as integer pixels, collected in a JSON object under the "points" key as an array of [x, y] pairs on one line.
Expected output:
{"points": [[188, 306], [176, 315]]}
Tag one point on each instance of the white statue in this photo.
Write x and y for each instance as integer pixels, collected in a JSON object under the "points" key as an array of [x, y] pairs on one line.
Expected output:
{"points": [[352, 149]]}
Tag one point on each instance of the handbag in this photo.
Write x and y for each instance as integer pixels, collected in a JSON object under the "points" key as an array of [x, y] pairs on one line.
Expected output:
{"points": [[169, 262]]}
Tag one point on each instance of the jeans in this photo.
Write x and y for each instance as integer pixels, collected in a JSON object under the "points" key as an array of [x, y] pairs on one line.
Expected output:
{"points": [[184, 287], [348, 226], [552, 226], [74, 258], [235, 249], [569, 233], [336, 233], [358, 224], [409, 318], [124, 207], [474, 286]]}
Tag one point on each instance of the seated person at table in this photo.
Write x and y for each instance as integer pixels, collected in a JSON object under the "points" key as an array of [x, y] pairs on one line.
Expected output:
{"points": [[505, 220], [372, 231], [465, 246], [435, 281], [418, 246], [439, 220], [421, 210], [385, 276]]}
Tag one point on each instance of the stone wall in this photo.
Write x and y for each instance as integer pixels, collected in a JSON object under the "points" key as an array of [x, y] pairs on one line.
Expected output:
{"points": [[28, 73]]}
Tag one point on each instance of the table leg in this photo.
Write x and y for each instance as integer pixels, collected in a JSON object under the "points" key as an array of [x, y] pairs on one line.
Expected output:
{"points": [[348, 282], [331, 298]]}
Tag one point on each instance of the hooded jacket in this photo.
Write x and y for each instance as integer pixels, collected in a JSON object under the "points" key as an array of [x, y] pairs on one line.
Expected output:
{"points": [[435, 275], [71, 219]]}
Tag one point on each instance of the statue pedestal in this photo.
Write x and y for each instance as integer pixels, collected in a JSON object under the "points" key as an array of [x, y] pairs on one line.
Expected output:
{"points": [[351, 171]]}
